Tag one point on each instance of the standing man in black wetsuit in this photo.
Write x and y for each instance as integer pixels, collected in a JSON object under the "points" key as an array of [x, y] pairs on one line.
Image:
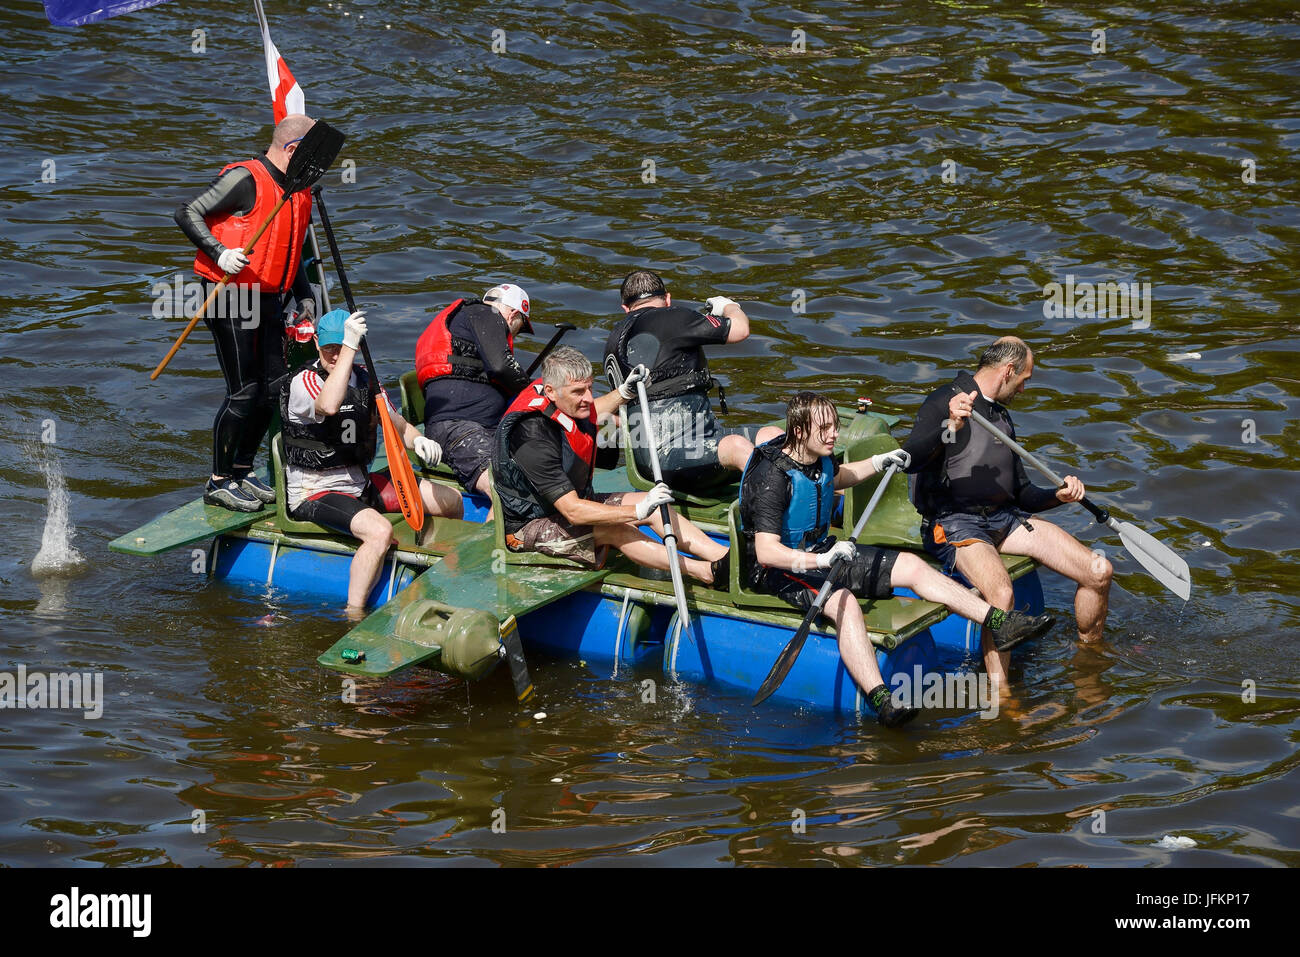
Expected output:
{"points": [[250, 341], [975, 499], [695, 452], [465, 363]]}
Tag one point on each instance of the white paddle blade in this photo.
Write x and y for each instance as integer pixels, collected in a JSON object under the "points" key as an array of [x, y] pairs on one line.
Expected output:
{"points": [[1160, 560]]}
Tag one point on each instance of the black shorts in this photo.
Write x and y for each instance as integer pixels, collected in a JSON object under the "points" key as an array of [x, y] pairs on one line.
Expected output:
{"points": [[945, 534], [868, 576], [688, 446], [466, 447], [337, 509]]}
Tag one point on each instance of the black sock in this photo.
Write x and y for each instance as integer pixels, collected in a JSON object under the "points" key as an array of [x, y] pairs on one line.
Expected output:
{"points": [[877, 697], [995, 619]]}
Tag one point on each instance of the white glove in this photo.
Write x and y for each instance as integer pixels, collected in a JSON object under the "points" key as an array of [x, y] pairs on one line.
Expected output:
{"points": [[354, 330], [628, 389], [885, 459], [840, 550], [718, 303], [661, 494], [429, 451], [232, 261]]}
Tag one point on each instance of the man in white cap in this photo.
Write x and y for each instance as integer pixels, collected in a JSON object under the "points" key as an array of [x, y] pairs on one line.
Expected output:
{"points": [[466, 366]]}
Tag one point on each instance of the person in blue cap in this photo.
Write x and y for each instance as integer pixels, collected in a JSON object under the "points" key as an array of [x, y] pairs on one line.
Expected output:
{"points": [[329, 418]]}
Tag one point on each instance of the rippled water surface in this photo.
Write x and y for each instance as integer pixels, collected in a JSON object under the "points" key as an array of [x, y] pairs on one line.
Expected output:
{"points": [[779, 177]]}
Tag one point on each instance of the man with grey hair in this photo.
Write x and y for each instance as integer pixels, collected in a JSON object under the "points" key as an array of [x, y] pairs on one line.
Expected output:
{"points": [[975, 498], [542, 465], [248, 324]]}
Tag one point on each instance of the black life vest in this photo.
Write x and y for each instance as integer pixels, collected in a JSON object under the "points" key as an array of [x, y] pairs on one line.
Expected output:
{"points": [[439, 353], [345, 438], [578, 456], [689, 372]]}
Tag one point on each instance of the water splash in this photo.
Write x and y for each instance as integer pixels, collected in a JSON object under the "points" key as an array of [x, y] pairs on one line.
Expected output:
{"points": [[57, 555]]}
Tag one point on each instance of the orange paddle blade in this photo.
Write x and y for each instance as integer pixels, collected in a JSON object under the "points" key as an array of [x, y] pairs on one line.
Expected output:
{"points": [[400, 471]]}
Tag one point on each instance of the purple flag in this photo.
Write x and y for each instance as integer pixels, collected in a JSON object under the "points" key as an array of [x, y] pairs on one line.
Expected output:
{"points": [[75, 13]]}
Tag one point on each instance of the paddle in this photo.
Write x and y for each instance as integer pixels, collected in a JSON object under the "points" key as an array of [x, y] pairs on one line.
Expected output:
{"points": [[785, 660], [670, 538], [1160, 560], [399, 465], [560, 330], [309, 162]]}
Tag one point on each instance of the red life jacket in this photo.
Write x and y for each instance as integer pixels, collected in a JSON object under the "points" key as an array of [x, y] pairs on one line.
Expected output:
{"points": [[519, 502], [436, 350], [273, 262]]}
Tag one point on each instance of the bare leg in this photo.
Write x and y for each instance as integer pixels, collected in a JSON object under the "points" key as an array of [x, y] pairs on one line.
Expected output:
{"points": [[981, 565], [441, 500], [856, 650], [484, 487], [376, 534], [647, 552], [1062, 552], [690, 536]]}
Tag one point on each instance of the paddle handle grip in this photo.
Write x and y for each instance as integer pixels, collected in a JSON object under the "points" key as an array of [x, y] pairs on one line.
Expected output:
{"points": [[1100, 514]]}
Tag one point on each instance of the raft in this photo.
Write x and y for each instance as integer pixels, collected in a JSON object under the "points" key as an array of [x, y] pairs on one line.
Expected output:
{"points": [[449, 602]]}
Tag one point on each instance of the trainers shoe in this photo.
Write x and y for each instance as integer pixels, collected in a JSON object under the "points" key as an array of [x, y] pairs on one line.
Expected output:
{"points": [[1020, 627], [887, 713], [255, 487], [228, 494], [721, 573]]}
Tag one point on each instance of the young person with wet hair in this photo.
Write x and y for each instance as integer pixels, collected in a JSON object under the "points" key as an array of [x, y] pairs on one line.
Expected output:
{"points": [[787, 500], [976, 501], [250, 348], [542, 468], [695, 452]]}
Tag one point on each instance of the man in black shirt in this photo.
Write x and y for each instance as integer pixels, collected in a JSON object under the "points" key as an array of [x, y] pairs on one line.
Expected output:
{"points": [[465, 362], [787, 500], [975, 498], [695, 452], [542, 462]]}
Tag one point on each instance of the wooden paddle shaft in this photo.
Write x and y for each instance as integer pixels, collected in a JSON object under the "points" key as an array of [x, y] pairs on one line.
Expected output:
{"points": [[215, 292]]}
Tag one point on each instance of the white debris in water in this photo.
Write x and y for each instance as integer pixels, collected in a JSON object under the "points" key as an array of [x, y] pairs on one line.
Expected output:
{"points": [[539, 716], [1175, 843], [557, 780], [56, 555], [1206, 543], [1182, 356]]}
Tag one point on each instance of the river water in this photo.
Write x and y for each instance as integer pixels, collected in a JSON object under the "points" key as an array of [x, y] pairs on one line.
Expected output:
{"points": [[885, 190]]}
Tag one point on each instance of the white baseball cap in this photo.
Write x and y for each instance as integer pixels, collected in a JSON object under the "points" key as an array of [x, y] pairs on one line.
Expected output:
{"points": [[508, 294]]}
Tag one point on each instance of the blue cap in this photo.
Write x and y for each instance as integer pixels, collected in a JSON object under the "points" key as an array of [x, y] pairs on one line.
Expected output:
{"points": [[329, 327]]}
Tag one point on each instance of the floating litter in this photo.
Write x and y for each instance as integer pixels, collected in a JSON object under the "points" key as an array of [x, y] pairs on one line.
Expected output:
{"points": [[1175, 843], [539, 716], [557, 780]]}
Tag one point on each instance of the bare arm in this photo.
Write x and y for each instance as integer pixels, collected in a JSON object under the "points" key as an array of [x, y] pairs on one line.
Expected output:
{"points": [[770, 552], [581, 511], [606, 405], [739, 330], [336, 386], [851, 473]]}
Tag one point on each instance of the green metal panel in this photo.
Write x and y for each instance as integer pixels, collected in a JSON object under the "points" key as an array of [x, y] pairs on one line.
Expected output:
{"points": [[193, 522]]}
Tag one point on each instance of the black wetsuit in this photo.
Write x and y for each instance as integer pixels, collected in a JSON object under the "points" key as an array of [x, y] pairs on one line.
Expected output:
{"points": [[250, 349]]}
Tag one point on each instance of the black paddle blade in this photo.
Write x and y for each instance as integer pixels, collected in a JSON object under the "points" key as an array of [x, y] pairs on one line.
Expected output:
{"points": [[515, 656], [784, 662], [314, 155]]}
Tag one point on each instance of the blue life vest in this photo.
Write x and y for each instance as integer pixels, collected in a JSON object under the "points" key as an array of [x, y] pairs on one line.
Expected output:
{"points": [[808, 514]]}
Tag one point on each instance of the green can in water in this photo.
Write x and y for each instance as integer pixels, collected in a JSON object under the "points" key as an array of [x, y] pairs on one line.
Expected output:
{"points": [[352, 654]]}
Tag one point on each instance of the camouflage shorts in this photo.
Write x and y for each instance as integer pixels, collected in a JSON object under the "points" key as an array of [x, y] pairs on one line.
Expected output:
{"points": [[552, 535]]}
